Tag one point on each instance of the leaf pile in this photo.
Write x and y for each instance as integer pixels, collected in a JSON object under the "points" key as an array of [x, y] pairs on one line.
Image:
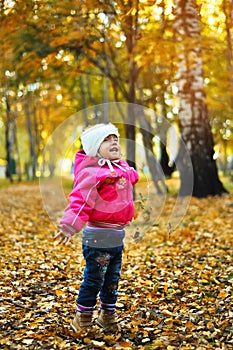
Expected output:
{"points": [[175, 290]]}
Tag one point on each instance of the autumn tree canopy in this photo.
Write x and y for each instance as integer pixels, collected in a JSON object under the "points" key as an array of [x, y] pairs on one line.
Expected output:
{"points": [[59, 57]]}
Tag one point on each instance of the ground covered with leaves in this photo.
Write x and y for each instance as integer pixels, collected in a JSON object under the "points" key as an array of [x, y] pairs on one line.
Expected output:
{"points": [[175, 290]]}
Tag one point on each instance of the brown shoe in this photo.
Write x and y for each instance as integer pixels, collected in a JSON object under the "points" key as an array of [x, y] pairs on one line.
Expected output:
{"points": [[107, 320], [81, 321]]}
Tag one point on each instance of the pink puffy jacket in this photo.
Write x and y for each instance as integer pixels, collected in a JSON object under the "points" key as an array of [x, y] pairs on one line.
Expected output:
{"points": [[102, 193]]}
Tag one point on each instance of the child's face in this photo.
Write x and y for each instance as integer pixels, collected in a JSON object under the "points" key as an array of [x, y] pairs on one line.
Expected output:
{"points": [[110, 148]]}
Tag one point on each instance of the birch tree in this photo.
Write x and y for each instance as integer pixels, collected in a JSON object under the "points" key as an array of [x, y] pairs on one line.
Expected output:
{"points": [[193, 112]]}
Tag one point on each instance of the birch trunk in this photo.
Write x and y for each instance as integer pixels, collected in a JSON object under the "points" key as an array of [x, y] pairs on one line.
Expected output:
{"points": [[193, 114]]}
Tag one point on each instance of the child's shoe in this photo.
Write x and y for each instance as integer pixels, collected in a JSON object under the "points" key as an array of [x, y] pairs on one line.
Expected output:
{"points": [[81, 321], [107, 320]]}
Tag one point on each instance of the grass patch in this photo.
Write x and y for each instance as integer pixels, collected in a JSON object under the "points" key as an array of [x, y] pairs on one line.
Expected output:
{"points": [[227, 183], [172, 183], [4, 183]]}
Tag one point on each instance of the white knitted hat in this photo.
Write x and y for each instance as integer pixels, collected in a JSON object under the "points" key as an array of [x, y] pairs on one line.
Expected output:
{"points": [[92, 137]]}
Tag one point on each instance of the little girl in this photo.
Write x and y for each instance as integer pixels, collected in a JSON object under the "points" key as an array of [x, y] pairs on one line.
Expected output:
{"points": [[102, 200]]}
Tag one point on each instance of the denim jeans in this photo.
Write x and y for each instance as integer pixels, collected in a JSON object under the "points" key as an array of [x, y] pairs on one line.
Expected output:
{"points": [[101, 275]]}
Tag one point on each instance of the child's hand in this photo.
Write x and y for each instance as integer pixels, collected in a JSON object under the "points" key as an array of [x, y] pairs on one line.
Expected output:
{"points": [[64, 237]]}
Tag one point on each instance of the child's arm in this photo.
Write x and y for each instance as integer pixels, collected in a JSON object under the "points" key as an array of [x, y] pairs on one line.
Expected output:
{"points": [[134, 176], [77, 213]]}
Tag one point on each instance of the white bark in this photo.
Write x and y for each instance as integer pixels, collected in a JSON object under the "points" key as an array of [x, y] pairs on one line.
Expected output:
{"points": [[193, 114]]}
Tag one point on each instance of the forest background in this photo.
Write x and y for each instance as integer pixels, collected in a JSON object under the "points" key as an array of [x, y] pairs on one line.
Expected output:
{"points": [[60, 57], [64, 61]]}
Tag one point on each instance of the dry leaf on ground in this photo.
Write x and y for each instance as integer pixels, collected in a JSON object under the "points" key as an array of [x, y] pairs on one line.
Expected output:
{"points": [[175, 290]]}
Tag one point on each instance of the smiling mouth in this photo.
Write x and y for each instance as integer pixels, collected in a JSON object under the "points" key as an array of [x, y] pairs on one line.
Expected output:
{"points": [[114, 149]]}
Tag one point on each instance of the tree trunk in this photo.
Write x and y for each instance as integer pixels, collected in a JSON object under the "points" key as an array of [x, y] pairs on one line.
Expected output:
{"points": [[9, 139], [91, 97], [164, 160], [155, 169], [33, 159], [131, 29], [163, 127], [130, 119], [106, 86], [17, 154], [84, 102], [193, 115]]}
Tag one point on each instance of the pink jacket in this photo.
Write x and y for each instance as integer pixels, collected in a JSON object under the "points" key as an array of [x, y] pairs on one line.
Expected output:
{"points": [[102, 193]]}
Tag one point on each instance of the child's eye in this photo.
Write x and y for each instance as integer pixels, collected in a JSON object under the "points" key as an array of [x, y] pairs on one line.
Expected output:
{"points": [[111, 139]]}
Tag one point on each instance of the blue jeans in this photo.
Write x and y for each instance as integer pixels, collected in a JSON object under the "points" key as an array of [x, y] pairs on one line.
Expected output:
{"points": [[101, 275]]}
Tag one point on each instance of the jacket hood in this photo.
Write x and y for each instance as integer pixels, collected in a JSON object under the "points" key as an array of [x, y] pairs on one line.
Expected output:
{"points": [[82, 161]]}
